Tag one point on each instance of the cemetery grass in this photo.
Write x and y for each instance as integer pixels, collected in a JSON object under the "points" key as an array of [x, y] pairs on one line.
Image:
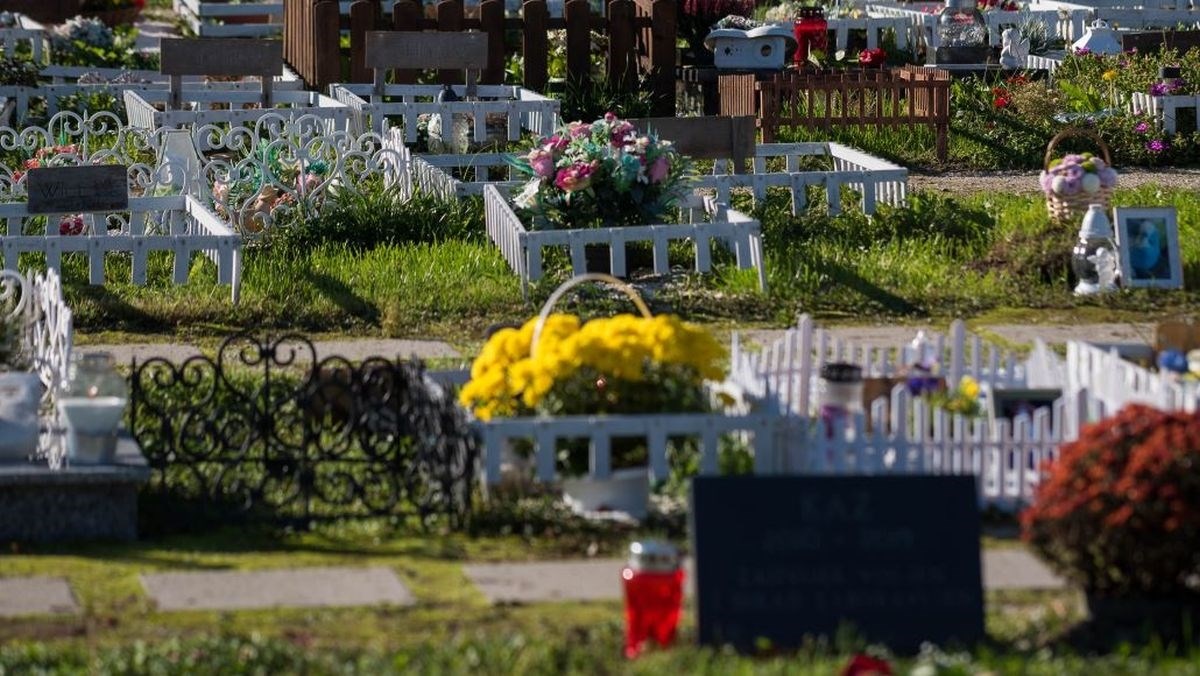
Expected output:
{"points": [[452, 629], [981, 256]]}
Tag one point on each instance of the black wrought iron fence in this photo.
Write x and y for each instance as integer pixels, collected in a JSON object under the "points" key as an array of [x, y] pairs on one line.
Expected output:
{"points": [[267, 430]]}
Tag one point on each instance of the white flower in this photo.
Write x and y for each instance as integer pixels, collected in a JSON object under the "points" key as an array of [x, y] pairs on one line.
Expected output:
{"points": [[528, 195]]}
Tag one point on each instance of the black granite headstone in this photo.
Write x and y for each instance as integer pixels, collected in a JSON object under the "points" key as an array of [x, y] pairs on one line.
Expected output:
{"points": [[63, 190], [897, 558]]}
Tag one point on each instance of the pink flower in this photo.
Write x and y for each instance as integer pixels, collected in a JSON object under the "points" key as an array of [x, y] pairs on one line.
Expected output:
{"points": [[658, 169], [577, 129], [220, 190], [307, 182], [610, 116], [621, 132], [576, 177], [557, 143], [542, 162], [71, 225]]}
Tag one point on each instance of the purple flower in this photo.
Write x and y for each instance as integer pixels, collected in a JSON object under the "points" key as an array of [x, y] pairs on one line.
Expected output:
{"points": [[1142, 127], [1082, 51], [1158, 89], [1156, 146], [921, 384]]}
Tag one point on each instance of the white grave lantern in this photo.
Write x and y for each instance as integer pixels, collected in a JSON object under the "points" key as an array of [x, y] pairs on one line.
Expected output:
{"points": [[1099, 39], [765, 47]]}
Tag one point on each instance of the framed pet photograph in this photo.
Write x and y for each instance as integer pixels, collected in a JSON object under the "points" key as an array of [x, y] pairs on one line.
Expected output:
{"points": [[1148, 242]]}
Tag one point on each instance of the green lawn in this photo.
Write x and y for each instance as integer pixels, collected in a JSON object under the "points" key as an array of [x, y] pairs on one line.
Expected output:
{"points": [[976, 257], [451, 629]]}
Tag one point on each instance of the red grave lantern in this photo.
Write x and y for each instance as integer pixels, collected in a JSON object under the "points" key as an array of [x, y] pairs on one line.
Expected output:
{"points": [[812, 32], [653, 582]]}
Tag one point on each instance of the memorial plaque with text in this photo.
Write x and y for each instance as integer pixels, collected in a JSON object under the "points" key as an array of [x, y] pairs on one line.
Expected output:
{"points": [[781, 558], [70, 190], [221, 56]]}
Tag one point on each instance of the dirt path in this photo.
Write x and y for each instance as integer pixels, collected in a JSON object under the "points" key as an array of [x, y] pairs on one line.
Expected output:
{"points": [[962, 183]]}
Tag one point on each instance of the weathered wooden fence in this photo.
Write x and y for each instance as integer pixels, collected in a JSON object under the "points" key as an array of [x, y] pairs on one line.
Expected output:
{"points": [[641, 40], [909, 96]]}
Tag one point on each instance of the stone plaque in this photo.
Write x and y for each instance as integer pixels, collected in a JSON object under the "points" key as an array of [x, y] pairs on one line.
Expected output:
{"points": [[221, 56], [895, 557], [70, 190], [402, 49]]}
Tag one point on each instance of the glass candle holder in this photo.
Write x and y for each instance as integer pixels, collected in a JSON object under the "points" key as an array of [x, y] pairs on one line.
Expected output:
{"points": [[811, 32]]}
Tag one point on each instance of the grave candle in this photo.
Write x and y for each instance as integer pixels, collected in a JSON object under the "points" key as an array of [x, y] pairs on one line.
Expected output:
{"points": [[812, 32], [653, 581], [92, 405]]}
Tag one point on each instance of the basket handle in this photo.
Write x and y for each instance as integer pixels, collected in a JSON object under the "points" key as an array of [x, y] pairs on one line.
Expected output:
{"points": [[576, 281], [1075, 131]]}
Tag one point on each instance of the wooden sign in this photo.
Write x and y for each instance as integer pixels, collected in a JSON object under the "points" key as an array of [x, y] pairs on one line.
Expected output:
{"points": [[221, 56], [781, 558], [70, 190], [447, 51], [706, 138], [1175, 335]]}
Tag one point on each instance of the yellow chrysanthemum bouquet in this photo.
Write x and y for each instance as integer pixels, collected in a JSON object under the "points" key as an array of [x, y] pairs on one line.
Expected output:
{"points": [[615, 365]]}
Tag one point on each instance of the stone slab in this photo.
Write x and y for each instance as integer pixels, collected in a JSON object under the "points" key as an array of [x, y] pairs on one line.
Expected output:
{"points": [[21, 596], [1016, 568], [533, 582], [285, 588], [72, 502], [600, 580]]}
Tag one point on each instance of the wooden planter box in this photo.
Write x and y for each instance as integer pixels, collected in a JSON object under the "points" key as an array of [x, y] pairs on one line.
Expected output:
{"points": [[176, 223], [522, 248], [377, 111], [908, 96]]}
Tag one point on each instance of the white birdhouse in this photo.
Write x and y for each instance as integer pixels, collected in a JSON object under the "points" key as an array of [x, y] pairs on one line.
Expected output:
{"points": [[763, 47]]}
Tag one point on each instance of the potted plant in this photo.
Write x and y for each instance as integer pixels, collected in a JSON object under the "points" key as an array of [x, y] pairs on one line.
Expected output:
{"points": [[558, 365], [1116, 513]]}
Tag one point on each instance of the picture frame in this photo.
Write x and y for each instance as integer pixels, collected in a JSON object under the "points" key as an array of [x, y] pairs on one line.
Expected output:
{"points": [[1148, 246], [1007, 404]]}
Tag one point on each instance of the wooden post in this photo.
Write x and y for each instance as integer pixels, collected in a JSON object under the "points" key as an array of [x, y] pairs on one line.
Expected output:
{"points": [[450, 19], [663, 31], [578, 18], [327, 25], [364, 16], [622, 49], [407, 15], [491, 21], [535, 44]]}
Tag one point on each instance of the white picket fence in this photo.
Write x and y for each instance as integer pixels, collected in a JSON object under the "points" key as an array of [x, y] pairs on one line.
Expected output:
{"points": [[240, 106], [876, 27], [47, 329], [876, 180], [901, 433], [522, 248], [1164, 109], [498, 434], [1114, 382], [455, 176], [179, 224], [786, 370], [376, 110]]}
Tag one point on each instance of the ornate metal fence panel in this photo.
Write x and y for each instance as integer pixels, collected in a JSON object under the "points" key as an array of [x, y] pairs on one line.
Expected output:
{"points": [[267, 429]]}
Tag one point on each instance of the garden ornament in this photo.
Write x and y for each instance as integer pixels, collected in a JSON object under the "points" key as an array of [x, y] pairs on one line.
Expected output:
{"points": [[1015, 49]]}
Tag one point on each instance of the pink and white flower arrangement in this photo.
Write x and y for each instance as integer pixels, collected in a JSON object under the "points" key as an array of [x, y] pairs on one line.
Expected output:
{"points": [[604, 174], [1077, 173]]}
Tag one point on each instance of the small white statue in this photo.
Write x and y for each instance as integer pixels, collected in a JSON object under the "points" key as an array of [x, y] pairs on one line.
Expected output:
{"points": [[1015, 49], [1107, 271]]}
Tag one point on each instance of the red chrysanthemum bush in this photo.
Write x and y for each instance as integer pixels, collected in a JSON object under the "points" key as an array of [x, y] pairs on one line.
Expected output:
{"points": [[1119, 511]]}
